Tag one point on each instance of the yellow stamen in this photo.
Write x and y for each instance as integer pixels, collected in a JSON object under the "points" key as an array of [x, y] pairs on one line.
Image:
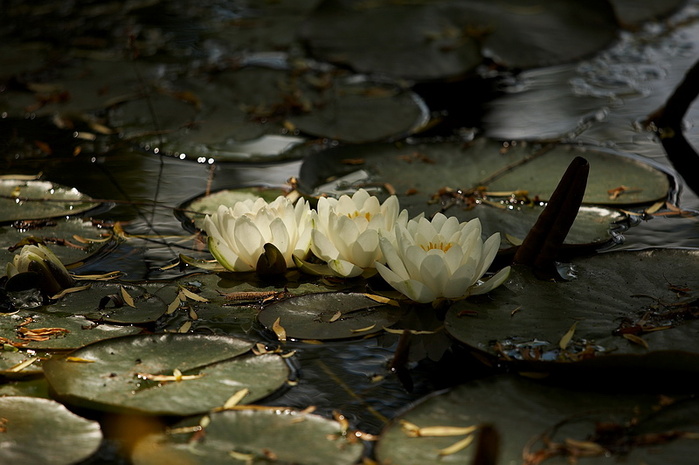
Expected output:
{"points": [[355, 214], [437, 245]]}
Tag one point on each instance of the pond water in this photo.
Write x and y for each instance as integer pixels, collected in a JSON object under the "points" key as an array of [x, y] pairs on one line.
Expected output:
{"points": [[600, 100]]}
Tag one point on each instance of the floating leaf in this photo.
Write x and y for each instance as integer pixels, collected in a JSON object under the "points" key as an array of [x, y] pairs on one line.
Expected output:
{"points": [[311, 316], [43, 431], [30, 200], [613, 295], [138, 374], [557, 426], [46, 331], [256, 435]]}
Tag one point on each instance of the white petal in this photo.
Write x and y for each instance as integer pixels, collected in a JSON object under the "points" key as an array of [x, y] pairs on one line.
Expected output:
{"points": [[393, 260], [322, 247], [411, 288], [434, 273], [226, 257], [491, 283], [344, 268], [248, 240], [280, 239], [365, 249], [490, 250]]}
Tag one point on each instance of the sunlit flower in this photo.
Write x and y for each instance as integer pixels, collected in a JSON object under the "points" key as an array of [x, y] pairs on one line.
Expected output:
{"points": [[443, 258], [53, 275], [346, 231], [238, 234]]}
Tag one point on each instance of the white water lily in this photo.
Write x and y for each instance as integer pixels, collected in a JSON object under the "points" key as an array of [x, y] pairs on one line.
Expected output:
{"points": [[443, 258], [346, 231], [238, 234]]}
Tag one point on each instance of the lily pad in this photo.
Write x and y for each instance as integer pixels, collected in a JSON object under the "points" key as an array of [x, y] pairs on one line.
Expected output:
{"points": [[30, 199], [43, 431], [256, 111], [421, 170], [623, 310], [114, 303], [438, 40], [46, 331], [529, 422], [18, 364], [253, 437], [71, 240], [329, 316], [137, 374]]}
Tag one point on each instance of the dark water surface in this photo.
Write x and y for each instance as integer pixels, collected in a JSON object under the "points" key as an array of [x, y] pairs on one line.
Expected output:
{"points": [[599, 101]]}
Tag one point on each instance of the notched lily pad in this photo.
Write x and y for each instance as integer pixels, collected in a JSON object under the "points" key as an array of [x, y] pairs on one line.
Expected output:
{"points": [[43, 431], [328, 316], [420, 171], [165, 374], [624, 310], [529, 422], [31, 199], [256, 436], [45, 331]]}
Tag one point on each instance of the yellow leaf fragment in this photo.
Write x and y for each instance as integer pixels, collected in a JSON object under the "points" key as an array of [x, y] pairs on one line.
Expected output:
{"points": [[655, 207], [128, 300], [22, 365], [79, 360], [636, 340], [235, 398], [412, 331], [191, 295], [382, 300], [98, 277], [70, 290], [335, 317], [414, 431], [186, 326], [361, 330], [457, 446], [438, 431], [279, 330], [567, 337], [174, 305], [513, 240], [176, 376], [249, 459]]}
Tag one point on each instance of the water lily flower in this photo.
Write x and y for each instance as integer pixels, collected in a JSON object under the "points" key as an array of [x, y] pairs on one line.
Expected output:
{"points": [[346, 231], [439, 259], [39, 259], [238, 234]]}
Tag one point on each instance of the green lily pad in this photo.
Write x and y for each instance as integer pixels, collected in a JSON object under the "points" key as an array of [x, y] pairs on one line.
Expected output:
{"points": [[45, 331], [532, 421], [35, 430], [255, 112], [446, 39], [329, 316], [124, 374], [30, 200], [252, 437], [13, 364], [32, 387], [624, 310], [421, 170], [59, 235], [115, 303]]}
